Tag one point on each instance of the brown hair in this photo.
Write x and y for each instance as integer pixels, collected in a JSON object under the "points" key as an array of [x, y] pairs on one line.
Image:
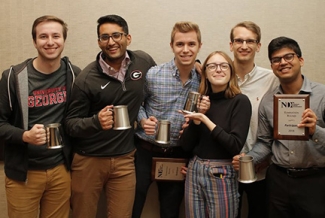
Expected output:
{"points": [[248, 25], [232, 88], [185, 27], [49, 18]]}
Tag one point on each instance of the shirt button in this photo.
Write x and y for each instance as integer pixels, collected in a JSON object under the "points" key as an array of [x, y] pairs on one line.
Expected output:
{"points": [[316, 140], [291, 152]]}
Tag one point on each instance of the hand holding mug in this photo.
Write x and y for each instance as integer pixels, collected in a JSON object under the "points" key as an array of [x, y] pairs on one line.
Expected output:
{"points": [[36, 135], [203, 104], [149, 125], [235, 161], [105, 117]]}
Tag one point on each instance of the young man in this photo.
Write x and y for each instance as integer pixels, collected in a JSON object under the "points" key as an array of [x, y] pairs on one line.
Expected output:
{"points": [[166, 90], [34, 94], [254, 81], [104, 157], [295, 182]]}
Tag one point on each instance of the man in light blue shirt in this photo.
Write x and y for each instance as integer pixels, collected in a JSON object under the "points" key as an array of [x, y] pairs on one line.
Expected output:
{"points": [[166, 89]]}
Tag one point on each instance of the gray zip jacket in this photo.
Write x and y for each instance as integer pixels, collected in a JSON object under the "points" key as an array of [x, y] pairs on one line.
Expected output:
{"points": [[14, 118]]}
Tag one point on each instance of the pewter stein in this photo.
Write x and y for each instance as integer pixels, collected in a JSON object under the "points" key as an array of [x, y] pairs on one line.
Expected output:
{"points": [[53, 136], [121, 117], [246, 169], [163, 132], [191, 102]]}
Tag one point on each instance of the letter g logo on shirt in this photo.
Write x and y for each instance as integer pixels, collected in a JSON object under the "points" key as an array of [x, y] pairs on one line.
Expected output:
{"points": [[135, 75]]}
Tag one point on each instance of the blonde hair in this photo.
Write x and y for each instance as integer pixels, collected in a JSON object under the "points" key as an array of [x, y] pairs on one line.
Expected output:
{"points": [[185, 27], [250, 26]]}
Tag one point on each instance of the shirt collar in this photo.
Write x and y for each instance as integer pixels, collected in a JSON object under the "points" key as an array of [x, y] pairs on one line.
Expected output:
{"points": [[175, 71], [305, 88], [248, 75], [107, 68]]}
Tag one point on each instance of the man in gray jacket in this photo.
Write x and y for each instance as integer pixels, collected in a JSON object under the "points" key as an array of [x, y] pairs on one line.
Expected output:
{"points": [[34, 94]]}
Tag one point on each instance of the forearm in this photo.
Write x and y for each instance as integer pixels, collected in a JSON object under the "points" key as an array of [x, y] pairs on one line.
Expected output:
{"points": [[319, 136], [259, 152], [82, 127]]}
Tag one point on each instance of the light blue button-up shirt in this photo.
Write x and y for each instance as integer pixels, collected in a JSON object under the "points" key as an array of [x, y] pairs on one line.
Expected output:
{"points": [[164, 96]]}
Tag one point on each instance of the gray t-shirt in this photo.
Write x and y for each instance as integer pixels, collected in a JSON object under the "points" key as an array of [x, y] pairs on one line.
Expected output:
{"points": [[46, 104]]}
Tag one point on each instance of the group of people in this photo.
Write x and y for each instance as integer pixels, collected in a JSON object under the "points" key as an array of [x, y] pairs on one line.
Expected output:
{"points": [[234, 117]]}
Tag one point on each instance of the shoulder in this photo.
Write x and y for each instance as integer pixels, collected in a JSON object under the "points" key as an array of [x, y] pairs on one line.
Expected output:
{"points": [[89, 69], [241, 97], [265, 73], [315, 86], [162, 67], [243, 100], [241, 103], [76, 70], [18, 67], [268, 98], [140, 55]]}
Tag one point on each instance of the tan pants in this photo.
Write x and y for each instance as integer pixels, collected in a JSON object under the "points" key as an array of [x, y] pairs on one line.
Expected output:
{"points": [[46, 192], [91, 174]]}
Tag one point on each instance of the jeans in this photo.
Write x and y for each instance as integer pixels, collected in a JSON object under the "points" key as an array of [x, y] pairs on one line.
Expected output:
{"points": [[211, 189]]}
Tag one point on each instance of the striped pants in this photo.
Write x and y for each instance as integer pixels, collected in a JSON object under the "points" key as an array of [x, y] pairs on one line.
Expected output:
{"points": [[211, 189]]}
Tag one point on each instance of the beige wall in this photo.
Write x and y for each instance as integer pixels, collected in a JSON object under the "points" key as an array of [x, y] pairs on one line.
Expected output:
{"points": [[150, 23]]}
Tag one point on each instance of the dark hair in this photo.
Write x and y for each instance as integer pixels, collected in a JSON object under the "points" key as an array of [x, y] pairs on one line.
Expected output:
{"points": [[232, 88], [250, 26], [283, 42], [49, 18], [113, 19]]}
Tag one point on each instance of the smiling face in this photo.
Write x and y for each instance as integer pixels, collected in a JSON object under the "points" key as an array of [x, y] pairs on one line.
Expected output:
{"points": [[218, 78], [287, 71], [185, 48], [114, 51], [49, 40], [246, 51]]}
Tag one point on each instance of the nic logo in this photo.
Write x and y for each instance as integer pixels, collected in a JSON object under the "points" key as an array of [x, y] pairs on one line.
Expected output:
{"points": [[288, 104]]}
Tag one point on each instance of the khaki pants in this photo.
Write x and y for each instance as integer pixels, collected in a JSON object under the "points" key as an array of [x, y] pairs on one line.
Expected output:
{"points": [[46, 192], [91, 174]]}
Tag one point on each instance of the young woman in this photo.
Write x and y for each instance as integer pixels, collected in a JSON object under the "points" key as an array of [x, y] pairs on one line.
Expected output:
{"points": [[214, 138]]}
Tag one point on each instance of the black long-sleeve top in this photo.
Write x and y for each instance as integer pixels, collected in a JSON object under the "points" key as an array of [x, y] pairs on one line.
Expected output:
{"points": [[232, 118]]}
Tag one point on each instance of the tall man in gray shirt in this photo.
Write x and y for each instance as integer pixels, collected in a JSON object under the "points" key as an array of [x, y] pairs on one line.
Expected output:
{"points": [[295, 182]]}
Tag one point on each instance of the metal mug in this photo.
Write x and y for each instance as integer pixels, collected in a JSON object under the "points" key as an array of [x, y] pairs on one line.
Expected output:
{"points": [[191, 102], [121, 117], [53, 136], [163, 132], [246, 169]]}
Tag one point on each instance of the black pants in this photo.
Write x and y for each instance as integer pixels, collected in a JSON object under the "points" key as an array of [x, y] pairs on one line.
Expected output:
{"points": [[295, 197], [170, 193], [256, 199]]}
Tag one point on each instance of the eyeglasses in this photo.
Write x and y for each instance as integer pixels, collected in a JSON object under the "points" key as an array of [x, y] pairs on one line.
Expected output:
{"points": [[248, 41], [115, 36], [212, 67], [288, 58]]}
